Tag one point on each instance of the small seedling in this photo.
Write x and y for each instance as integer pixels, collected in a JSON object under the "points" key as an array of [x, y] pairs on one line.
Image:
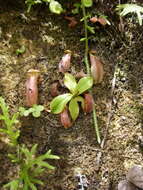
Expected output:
{"points": [[59, 103], [9, 127], [20, 50], [30, 168], [30, 165], [35, 111]]}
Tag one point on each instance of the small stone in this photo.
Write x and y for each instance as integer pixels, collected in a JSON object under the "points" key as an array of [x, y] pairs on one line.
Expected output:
{"points": [[135, 176], [123, 79], [140, 139], [125, 185]]}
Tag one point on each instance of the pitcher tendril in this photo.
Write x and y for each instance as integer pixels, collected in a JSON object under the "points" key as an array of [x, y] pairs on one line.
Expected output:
{"points": [[88, 4]]}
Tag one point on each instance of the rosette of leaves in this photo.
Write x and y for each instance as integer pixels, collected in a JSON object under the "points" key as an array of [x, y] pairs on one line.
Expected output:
{"points": [[35, 110], [72, 99]]}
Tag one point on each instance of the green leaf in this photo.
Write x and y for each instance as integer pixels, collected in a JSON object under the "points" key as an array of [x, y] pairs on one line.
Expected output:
{"points": [[36, 113], [74, 109], [76, 9], [139, 18], [21, 110], [70, 82], [4, 108], [47, 1], [13, 185], [3, 131], [25, 186], [58, 103], [81, 100], [31, 109], [86, 17], [38, 170], [45, 164], [49, 151], [33, 149], [37, 181], [35, 110], [26, 152], [87, 3], [84, 84], [125, 9], [82, 39], [24, 112], [128, 8], [53, 157], [30, 3], [13, 158], [40, 107], [20, 50], [32, 186], [91, 29], [14, 119], [55, 7], [2, 117], [47, 155]]}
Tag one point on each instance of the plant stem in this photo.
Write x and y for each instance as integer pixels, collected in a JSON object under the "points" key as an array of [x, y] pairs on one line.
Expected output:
{"points": [[88, 69], [86, 39], [96, 125]]}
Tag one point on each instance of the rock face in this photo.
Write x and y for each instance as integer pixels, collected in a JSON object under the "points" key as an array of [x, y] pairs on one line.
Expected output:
{"points": [[135, 176], [125, 185]]}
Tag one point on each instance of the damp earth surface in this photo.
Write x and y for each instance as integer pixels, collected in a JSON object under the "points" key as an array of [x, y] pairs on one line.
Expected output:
{"points": [[45, 37]]}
